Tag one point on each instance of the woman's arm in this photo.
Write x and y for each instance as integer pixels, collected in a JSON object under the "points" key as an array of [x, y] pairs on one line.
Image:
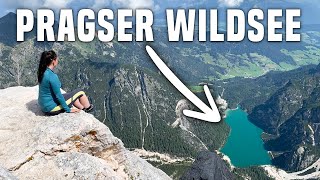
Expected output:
{"points": [[56, 84]]}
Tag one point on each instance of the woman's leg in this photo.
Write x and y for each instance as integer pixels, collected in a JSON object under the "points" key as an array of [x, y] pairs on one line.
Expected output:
{"points": [[78, 99], [85, 101], [78, 105]]}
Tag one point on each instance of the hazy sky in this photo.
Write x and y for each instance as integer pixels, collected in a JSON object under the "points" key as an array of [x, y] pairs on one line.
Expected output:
{"points": [[310, 8]]}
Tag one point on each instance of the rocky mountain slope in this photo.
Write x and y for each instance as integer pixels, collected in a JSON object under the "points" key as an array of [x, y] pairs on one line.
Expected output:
{"points": [[251, 92], [291, 115], [286, 106], [208, 165], [311, 172], [67, 146]]}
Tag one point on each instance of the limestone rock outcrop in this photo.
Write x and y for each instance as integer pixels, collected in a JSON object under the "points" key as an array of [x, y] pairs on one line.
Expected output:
{"points": [[66, 146], [208, 165]]}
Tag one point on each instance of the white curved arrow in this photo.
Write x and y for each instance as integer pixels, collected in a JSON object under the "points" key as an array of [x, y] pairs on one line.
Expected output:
{"points": [[208, 114]]}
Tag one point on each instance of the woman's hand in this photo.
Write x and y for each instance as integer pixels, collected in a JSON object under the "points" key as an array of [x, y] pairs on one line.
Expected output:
{"points": [[75, 110]]}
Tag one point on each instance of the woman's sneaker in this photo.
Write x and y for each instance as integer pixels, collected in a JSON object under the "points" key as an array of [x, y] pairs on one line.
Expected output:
{"points": [[89, 109]]}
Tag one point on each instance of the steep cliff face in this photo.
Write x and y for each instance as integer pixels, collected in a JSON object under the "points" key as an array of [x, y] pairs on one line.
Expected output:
{"points": [[138, 106], [280, 107], [68, 146], [299, 141], [143, 109], [291, 115]]}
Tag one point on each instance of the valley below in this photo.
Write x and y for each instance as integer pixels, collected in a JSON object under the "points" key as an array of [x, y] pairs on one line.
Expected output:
{"points": [[276, 85]]}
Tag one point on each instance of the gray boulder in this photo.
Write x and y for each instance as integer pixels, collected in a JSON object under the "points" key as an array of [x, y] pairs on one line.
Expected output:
{"points": [[208, 166], [67, 146]]}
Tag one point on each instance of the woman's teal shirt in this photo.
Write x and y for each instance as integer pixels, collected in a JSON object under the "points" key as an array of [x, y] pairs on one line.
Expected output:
{"points": [[49, 92]]}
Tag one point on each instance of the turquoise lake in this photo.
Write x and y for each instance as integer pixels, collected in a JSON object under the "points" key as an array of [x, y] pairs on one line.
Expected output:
{"points": [[244, 145]]}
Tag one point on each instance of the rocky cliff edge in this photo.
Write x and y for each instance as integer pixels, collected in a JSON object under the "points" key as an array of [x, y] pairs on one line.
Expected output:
{"points": [[67, 146]]}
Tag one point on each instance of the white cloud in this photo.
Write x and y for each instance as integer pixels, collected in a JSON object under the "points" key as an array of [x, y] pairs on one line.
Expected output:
{"points": [[35, 4], [313, 2], [230, 3], [98, 4], [12, 5], [135, 4], [132, 4], [19, 4], [157, 7], [56, 4]]}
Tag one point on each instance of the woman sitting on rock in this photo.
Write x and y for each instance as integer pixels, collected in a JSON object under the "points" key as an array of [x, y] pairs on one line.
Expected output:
{"points": [[50, 99]]}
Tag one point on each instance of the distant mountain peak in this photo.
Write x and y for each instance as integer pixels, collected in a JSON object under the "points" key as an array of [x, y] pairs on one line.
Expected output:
{"points": [[10, 15]]}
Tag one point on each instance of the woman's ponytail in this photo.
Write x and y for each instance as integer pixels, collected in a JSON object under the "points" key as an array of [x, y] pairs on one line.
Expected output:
{"points": [[46, 58]]}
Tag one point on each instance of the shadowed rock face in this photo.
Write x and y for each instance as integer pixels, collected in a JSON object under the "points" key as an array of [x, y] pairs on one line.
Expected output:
{"points": [[67, 146], [209, 166]]}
